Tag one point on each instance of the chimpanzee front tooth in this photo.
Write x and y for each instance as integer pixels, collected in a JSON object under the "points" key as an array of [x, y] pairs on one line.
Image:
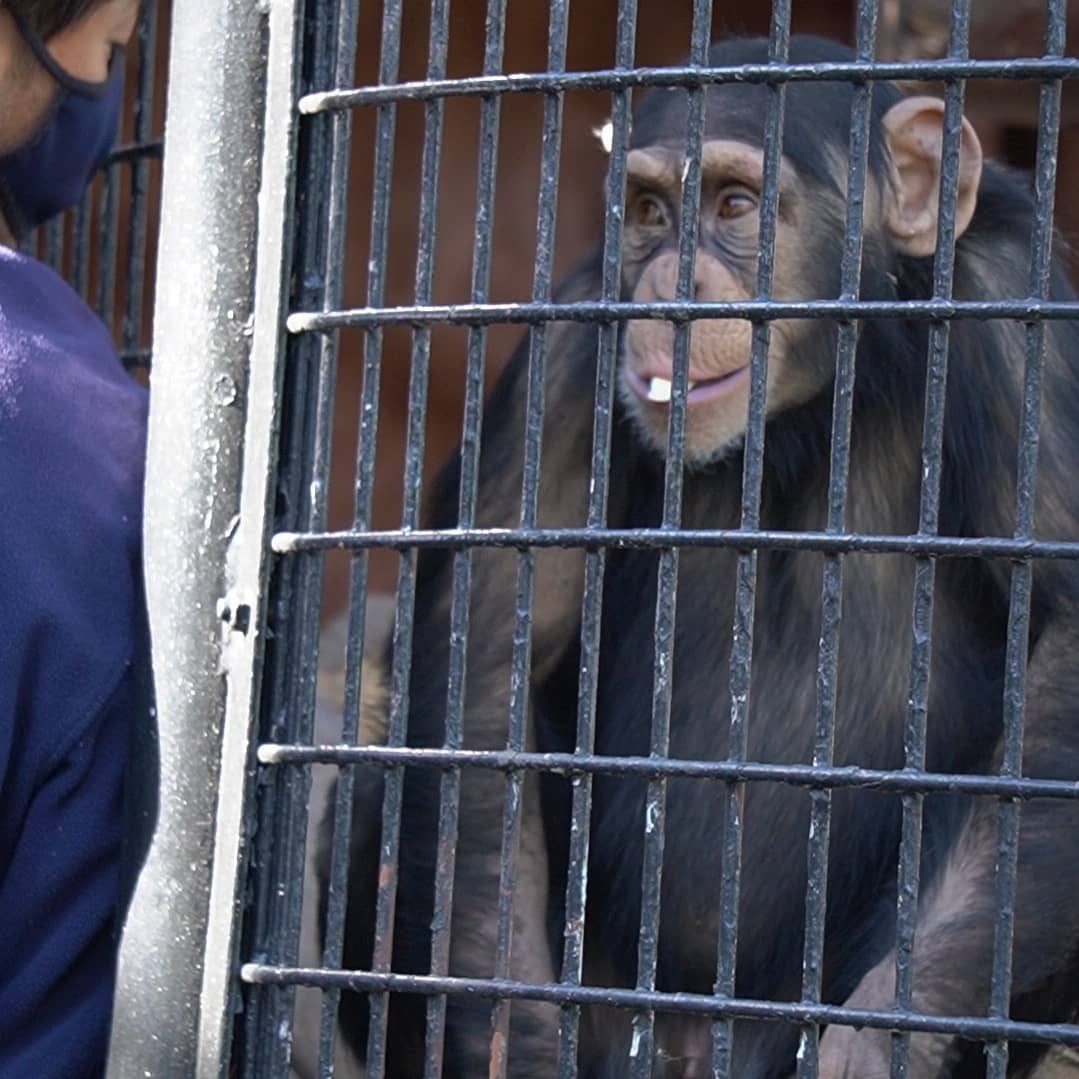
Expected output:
{"points": [[659, 390]]}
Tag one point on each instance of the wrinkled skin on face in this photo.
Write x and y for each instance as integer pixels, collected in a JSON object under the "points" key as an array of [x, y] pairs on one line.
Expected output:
{"points": [[725, 269]]}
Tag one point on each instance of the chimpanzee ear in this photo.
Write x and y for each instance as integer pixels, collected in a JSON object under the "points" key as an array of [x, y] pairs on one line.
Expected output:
{"points": [[914, 129]]}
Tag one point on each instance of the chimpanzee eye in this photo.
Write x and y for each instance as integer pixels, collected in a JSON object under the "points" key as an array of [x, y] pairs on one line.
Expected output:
{"points": [[736, 202], [648, 211]]}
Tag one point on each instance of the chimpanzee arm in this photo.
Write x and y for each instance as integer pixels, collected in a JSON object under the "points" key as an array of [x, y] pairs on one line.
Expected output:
{"points": [[954, 935], [564, 491], [556, 613]]}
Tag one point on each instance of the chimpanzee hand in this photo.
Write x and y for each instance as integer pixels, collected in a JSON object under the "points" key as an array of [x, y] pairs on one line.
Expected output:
{"points": [[866, 1053], [846, 1053]]}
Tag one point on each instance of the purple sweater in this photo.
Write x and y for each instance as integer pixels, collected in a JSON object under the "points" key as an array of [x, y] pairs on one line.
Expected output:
{"points": [[72, 438]]}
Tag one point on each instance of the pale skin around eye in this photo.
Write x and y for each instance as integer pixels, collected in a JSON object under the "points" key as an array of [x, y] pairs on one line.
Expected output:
{"points": [[724, 267]]}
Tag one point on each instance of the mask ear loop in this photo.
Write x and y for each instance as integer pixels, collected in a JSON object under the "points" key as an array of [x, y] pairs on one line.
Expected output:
{"points": [[67, 81]]}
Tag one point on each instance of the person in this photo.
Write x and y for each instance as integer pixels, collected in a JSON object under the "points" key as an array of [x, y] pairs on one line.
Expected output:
{"points": [[72, 437]]}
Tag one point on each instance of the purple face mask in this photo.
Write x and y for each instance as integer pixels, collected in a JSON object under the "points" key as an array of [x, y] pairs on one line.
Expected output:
{"points": [[49, 173]]}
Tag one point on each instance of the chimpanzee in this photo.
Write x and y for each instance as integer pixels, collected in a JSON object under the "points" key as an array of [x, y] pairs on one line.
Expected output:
{"points": [[994, 220]]}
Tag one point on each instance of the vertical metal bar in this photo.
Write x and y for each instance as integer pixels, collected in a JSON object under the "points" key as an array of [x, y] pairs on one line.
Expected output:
{"points": [[140, 180], [450, 787], [914, 737], [281, 830], [642, 1046], [80, 272], [417, 412], [391, 807], [1015, 664], [832, 588], [108, 241], [54, 243], [209, 232], [31, 244], [521, 662], [596, 559], [746, 583], [336, 129], [248, 566]]}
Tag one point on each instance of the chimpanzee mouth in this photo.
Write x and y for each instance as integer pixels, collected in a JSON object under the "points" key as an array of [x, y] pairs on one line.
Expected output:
{"points": [[656, 390]]}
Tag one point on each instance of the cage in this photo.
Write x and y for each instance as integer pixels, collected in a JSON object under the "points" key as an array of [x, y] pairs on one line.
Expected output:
{"points": [[362, 210], [104, 246]]}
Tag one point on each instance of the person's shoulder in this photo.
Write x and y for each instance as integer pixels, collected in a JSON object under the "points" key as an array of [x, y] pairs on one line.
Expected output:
{"points": [[72, 444], [51, 343]]}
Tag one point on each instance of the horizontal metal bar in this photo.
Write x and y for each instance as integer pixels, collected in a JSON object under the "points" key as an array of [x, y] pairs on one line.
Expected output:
{"points": [[818, 777], [689, 77], [533, 312], [136, 357], [135, 151], [457, 539], [970, 1027]]}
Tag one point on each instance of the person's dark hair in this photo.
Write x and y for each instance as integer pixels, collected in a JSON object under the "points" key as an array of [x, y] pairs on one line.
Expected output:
{"points": [[48, 17]]}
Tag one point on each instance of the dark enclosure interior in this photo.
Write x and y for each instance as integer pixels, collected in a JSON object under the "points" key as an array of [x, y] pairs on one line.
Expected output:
{"points": [[451, 171]]}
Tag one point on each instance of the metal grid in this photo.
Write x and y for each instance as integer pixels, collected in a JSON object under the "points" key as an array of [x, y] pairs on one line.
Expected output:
{"points": [[276, 806], [821, 777], [104, 245]]}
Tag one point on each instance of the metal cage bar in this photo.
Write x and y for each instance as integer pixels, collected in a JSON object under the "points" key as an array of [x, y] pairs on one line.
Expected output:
{"points": [[520, 693], [642, 1047], [689, 77], [826, 542], [1019, 600], [836, 777], [450, 787], [914, 738], [438, 48], [970, 1027], [832, 586], [391, 805], [135, 272], [573, 929], [216, 389], [741, 658], [338, 136]]}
